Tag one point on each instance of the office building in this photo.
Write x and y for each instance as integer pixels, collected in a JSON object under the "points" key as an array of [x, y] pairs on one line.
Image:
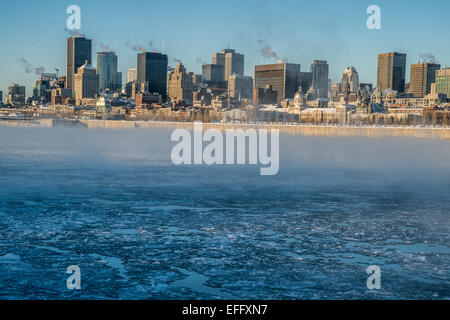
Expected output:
{"points": [[283, 78], [79, 49], [421, 77], [240, 87], [180, 84], [319, 70], [391, 71], [305, 81], [213, 72], [443, 82], [16, 95], [232, 62], [107, 71], [132, 75], [152, 69], [350, 81], [86, 83], [265, 95]]}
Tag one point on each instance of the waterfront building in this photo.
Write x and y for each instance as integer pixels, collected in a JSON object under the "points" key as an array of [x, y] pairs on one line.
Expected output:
{"points": [[16, 95], [79, 49], [240, 87], [152, 69], [422, 76], [180, 84], [282, 77], [320, 71], [391, 71], [232, 62], [443, 82], [86, 83]]}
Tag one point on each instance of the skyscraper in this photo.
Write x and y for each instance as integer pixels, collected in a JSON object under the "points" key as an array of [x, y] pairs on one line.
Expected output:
{"points": [[392, 71], [86, 83], [152, 68], [16, 95], [107, 71], [240, 87], [132, 75], [233, 62], [319, 70], [180, 84], [443, 81], [350, 81], [79, 49], [421, 78], [283, 78], [213, 72]]}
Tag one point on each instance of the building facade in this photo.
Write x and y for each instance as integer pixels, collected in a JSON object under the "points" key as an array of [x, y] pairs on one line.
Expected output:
{"points": [[232, 62], [240, 87], [152, 68], [213, 72], [350, 80], [391, 71], [79, 49], [180, 85], [421, 77], [132, 75], [320, 71], [16, 95], [283, 78], [443, 82], [86, 83], [107, 71]]}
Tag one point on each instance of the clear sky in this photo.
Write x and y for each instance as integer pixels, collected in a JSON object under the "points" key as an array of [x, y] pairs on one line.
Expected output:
{"points": [[297, 30]]}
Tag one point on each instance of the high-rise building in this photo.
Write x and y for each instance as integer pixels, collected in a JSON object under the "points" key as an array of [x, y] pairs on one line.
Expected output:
{"points": [[152, 68], [240, 87], [107, 71], [350, 80], [305, 81], [392, 71], [180, 84], [319, 70], [132, 75], [443, 82], [16, 95], [232, 62], [213, 72], [1, 97], [283, 77], [422, 76], [79, 49], [86, 83]]}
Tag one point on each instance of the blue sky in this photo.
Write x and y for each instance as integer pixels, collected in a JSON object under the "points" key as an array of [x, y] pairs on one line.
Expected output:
{"points": [[298, 30]]}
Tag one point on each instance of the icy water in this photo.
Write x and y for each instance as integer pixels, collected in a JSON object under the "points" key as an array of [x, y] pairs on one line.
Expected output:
{"points": [[139, 227]]}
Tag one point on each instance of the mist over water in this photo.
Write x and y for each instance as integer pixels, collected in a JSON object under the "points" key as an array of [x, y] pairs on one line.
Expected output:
{"points": [[142, 228]]}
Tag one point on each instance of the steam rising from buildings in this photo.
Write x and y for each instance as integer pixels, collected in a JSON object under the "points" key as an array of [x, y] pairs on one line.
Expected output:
{"points": [[176, 60], [268, 53], [139, 47], [428, 57], [105, 47], [29, 67], [74, 33], [199, 60]]}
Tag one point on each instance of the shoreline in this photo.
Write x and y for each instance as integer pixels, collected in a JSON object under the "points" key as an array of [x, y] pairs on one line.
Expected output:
{"points": [[297, 129]]}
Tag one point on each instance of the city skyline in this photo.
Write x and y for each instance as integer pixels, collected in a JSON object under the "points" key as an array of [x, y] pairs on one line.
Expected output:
{"points": [[331, 36]]}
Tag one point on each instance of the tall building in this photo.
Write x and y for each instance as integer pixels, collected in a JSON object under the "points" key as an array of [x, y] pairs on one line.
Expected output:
{"points": [[392, 71], [213, 72], [1, 97], [443, 81], [305, 81], [282, 77], [232, 62], [16, 95], [421, 77], [86, 83], [350, 80], [152, 68], [132, 75], [107, 71], [240, 87], [180, 84], [319, 70], [79, 49]]}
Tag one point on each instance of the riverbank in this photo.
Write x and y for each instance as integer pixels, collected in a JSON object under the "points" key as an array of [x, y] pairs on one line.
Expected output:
{"points": [[309, 130]]}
